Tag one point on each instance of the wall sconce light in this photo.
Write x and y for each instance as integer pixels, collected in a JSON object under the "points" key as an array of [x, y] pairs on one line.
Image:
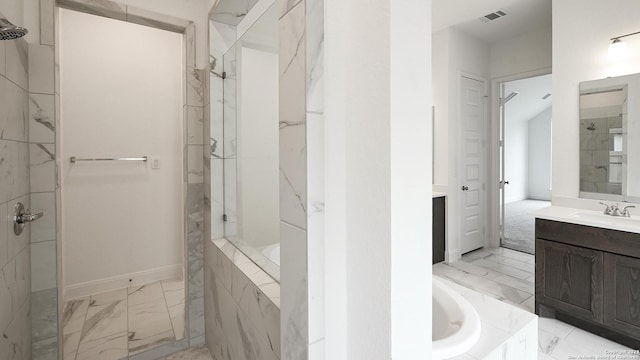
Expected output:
{"points": [[618, 48]]}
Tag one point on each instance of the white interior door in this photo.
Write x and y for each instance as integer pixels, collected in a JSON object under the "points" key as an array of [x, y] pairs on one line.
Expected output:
{"points": [[472, 176]]}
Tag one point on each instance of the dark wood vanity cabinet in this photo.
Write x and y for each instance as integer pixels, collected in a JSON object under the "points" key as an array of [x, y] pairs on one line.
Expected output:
{"points": [[589, 277], [438, 230], [570, 280], [622, 289]]}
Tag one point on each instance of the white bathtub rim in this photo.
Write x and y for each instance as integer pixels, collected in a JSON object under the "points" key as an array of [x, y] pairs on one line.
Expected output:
{"points": [[466, 337]]}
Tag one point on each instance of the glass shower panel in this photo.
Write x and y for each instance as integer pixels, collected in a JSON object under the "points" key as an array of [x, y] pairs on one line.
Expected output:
{"points": [[251, 143]]}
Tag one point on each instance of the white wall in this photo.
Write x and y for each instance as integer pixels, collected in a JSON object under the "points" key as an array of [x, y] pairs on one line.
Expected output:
{"points": [[378, 233], [454, 54], [540, 156], [521, 54], [581, 33], [516, 134], [258, 148], [121, 98]]}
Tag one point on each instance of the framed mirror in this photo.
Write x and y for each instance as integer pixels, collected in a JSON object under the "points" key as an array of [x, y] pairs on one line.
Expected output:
{"points": [[609, 131]]}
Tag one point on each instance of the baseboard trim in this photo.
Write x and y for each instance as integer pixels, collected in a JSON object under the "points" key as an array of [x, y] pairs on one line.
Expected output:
{"points": [[450, 256], [85, 289]]}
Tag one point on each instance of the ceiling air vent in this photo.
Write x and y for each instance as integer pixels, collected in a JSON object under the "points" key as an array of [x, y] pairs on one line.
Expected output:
{"points": [[493, 16]]}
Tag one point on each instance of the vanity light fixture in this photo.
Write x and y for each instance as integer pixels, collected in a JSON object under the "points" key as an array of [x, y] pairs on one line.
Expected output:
{"points": [[618, 48]]}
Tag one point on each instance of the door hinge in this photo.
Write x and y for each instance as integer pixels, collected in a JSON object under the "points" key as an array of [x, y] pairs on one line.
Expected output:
{"points": [[500, 143], [224, 217]]}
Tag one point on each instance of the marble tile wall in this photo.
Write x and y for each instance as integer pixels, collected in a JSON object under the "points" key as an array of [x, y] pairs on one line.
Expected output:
{"points": [[302, 180], [242, 302], [42, 166], [15, 250]]}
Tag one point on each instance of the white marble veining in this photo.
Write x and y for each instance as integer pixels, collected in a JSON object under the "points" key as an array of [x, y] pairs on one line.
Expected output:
{"points": [[589, 218], [293, 157], [195, 125], [294, 298], [315, 55], [141, 313], [195, 78], [15, 342], [149, 325], [14, 115], [42, 167], [195, 164], [110, 347], [235, 284], [41, 118]]}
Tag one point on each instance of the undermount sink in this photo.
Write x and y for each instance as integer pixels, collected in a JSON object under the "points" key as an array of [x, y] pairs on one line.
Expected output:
{"points": [[606, 219]]}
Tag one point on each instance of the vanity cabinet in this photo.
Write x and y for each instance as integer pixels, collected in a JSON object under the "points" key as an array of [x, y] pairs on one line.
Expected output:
{"points": [[570, 280], [438, 229], [589, 277], [622, 307]]}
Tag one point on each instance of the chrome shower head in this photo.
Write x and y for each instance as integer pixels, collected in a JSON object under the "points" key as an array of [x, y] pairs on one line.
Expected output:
{"points": [[8, 31]]}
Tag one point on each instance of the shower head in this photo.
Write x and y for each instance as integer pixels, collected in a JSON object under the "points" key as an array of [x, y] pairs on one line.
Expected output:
{"points": [[510, 96], [8, 31]]}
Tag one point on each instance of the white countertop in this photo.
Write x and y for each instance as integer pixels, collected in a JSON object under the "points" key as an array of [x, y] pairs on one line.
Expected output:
{"points": [[438, 194], [589, 218]]}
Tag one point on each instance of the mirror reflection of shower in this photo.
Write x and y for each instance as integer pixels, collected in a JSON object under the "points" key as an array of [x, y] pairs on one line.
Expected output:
{"points": [[510, 96]]}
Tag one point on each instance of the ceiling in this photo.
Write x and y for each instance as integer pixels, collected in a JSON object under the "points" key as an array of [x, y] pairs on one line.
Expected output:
{"points": [[464, 15], [529, 102]]}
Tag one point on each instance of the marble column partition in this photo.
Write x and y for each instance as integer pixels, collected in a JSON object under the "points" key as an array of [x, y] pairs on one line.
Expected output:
{"points": [[15, 250], [196, 122], [302, 178], [42, 136]]}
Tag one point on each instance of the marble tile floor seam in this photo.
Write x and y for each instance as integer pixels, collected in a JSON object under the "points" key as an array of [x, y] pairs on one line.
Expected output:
{"points": [[124, 322], [496, 276]]}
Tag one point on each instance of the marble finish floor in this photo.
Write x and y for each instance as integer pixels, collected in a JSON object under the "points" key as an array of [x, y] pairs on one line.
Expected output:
{"points": [[124, 322], [196, 353], [508, 275]]}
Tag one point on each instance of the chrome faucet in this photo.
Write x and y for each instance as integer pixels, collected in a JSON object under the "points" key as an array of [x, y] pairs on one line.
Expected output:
{"points": [[625, 212], [609, 209], [615, 210]]}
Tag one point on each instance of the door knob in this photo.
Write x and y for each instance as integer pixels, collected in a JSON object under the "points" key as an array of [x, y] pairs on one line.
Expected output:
{"points": [[465, 188]]}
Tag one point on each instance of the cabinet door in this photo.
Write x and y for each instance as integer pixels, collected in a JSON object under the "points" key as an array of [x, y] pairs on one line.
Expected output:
{"points": [[438, 229], [622, 286], [569, 279]]}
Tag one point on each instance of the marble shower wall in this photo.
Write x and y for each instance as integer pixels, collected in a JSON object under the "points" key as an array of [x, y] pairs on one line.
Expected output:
{"points": [[42, 135], [196, 122], [302, 178], [242, 306], [15, 250]]}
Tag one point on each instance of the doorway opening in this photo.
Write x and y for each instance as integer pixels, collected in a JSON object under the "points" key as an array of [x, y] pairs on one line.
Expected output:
{"points": [[525, 158]]}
